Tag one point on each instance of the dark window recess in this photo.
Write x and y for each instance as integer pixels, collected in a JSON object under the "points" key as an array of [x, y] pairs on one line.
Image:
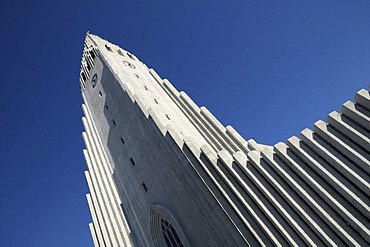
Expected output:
{"points": [[130, 55], [108, 48], [137, 76], [92, 54], [168, 117], [88, 67], [123, 141], [132, 162], [100, 94], [146, 88], [144, 186], [114, 122], [83, 76], [156, 101], [106, 107], [170, 235], [120, 52]]}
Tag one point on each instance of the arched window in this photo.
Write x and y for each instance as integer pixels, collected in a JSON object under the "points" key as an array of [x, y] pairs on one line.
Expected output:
{"points": [[170, 235], [164, 228]]}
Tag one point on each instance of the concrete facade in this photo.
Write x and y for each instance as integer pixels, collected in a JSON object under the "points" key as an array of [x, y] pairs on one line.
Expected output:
{"points": [[164, 172]]}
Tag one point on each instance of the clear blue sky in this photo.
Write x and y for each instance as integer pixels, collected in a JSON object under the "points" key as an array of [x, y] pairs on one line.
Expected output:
{"points": [[269, 68]]}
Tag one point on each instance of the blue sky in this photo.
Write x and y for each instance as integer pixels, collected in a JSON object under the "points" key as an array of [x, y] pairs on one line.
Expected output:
{"points": [[268, 68]]}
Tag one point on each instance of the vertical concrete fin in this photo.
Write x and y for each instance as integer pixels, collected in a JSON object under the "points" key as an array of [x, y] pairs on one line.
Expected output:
{"points": [[156, 76], [96, 234], [237, 138], [361, 119], [308, 214], [344, 169], [343, 207], [117, 228], [322, 131], [255, 159], [249, 216], [170, 88], [93, 235], [218, 131], [252, 145], [363, 98], [335, 119]]}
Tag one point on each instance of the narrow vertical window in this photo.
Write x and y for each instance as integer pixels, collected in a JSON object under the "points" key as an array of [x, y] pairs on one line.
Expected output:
{"points": [[130, 55], [146, 88], [123, 141], [120, 52], [106, 107], [132, 161], [92, 55], [137, 76], [156, 101], [114, 122], [100, 94], [144, 186], [168, 117], [108, 48], [83, 76]]}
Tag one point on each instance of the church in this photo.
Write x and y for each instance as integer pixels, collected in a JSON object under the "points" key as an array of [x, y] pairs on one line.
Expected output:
{"points": [[164, 172]]}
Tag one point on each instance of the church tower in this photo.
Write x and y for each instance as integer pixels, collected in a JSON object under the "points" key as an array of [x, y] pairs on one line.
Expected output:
{"points": [[164, 172]]}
